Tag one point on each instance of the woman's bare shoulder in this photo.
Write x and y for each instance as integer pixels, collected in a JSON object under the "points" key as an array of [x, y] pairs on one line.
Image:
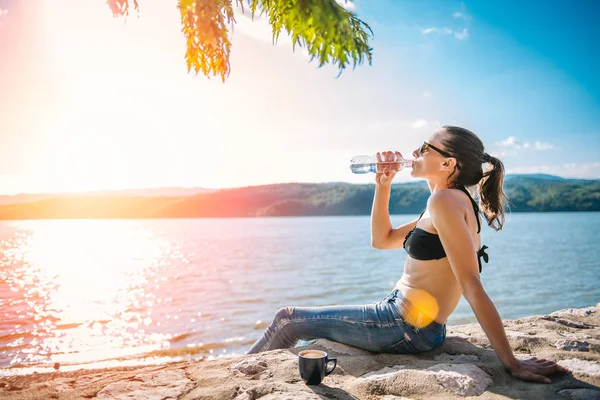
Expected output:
{"points": [[445, 199]]}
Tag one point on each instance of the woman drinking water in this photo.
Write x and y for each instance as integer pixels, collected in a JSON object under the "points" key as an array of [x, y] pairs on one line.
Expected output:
{"points": [[443, 262]]}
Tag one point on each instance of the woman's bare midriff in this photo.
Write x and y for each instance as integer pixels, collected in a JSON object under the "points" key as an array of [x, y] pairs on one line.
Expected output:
{"points": [[430, 284]]}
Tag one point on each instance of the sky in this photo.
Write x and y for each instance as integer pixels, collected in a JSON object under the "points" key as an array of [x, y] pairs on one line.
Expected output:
{"points": [[92, 102]]}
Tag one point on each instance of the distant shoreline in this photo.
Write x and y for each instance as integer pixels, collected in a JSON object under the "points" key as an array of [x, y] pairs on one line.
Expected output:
{"points": [[256, 217], [525, 193]]}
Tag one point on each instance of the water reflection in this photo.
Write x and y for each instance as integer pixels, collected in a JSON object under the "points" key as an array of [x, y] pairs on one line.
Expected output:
{"points": [[162, 290], [80, 291]]}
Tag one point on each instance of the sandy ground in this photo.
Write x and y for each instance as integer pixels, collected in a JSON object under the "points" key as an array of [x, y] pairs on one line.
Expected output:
{"points": [[463, 367]]}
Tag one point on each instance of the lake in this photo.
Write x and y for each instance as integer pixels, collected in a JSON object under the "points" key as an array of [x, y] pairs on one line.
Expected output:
{"points": [[120, 292]]}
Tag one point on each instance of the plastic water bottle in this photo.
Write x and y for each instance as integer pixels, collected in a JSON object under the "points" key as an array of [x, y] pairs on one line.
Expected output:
{"points": [[366, 164]]}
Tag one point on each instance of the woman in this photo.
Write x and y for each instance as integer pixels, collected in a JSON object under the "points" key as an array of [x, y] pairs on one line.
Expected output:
{"points": [[443, 263]]}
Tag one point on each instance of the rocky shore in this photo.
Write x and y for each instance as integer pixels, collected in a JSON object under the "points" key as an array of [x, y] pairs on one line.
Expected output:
{"points": [[464, 366]]}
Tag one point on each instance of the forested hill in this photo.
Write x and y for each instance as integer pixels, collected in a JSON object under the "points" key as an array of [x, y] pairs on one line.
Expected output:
{"points": [[527, 193]]}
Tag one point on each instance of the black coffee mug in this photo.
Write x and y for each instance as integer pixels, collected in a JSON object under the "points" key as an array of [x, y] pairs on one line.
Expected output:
{"points": [[312, 365]]}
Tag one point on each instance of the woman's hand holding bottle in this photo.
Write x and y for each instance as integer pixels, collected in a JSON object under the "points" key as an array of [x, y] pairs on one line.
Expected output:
{"points": [[388, 164]]}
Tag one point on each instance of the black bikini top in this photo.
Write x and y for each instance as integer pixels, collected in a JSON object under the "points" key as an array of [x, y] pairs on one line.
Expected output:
{"points": [[423, 245]]}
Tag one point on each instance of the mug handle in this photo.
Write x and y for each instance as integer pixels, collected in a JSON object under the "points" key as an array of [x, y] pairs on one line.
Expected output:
{"points": [[334, 365]]}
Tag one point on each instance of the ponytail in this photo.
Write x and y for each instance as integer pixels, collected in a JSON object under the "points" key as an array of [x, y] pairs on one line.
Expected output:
{"points": [[492, 199], [470, 155]]}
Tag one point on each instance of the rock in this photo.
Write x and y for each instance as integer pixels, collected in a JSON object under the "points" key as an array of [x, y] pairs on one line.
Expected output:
{"points": [[245, 396], [568, 322], [582, 367], [461, 335], [63, 384], [340, 348], [91, 378], [572, 345], [462, 379], [515, 334], [250, 366], [465, 365], [399, 383], [579, 312], [290, 396], [580, 394], [575, 336], [456, 358], [164, 384], [383, 373]]}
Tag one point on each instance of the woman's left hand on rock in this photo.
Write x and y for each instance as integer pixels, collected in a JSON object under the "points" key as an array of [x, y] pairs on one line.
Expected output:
{"points": [[537, 370]]}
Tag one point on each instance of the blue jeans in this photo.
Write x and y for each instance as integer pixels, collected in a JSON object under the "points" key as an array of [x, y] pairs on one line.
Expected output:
{"points": [[377, 327]]}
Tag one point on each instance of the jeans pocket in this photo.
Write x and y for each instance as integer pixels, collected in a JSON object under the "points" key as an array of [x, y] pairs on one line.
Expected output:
{"points": [[431, 337], [394, 309], [401, 347]]}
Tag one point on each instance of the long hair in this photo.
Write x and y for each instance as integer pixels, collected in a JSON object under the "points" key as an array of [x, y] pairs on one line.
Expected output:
{"points": [[470, 156]]}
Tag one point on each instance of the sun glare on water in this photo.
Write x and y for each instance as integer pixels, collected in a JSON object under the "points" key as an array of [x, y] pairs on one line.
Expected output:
{"points": [[74, 302]]}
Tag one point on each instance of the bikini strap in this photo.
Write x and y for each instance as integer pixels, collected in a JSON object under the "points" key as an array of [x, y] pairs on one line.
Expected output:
{"points": [[412, 230], [482, 254], [475, 207]]}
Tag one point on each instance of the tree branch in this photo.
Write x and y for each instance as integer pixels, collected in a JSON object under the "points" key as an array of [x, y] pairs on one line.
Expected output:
{"points": [[329, 32]]}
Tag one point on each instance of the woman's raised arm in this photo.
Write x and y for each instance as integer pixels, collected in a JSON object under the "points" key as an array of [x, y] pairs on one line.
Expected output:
{"points": [[383, 235]]}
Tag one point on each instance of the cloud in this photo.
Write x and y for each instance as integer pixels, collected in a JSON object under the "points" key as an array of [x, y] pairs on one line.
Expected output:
{"points": [[460, 35], [420, 123], [461, 15], [426, 94], [542, 146], [401, 124], [464, 34], [514, 143], [347, 4], [590, 170], [433, 29], [510, 141]]}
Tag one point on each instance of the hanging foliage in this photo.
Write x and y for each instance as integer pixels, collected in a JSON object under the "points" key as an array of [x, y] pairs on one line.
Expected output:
{"points": [[329, 32]]}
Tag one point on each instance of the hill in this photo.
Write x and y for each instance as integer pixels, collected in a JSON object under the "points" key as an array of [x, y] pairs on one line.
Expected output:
{"points": [[526, 194], [158, 192]]}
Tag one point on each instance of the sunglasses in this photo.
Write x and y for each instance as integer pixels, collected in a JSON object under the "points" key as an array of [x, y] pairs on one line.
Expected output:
{"points": [[426, 146]]}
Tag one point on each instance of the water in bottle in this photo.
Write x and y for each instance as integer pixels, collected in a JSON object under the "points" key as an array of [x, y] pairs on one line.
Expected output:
{"points": [[366, 164]]}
